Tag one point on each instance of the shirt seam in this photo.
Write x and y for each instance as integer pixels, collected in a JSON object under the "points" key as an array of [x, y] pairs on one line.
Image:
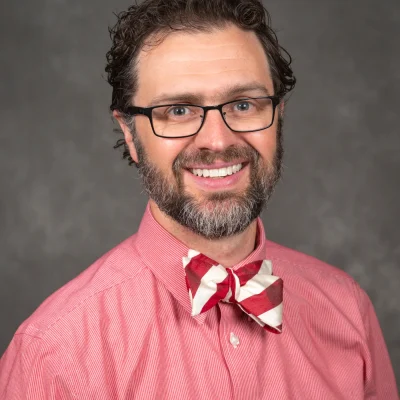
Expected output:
{"points": [[46, 329], [358, 293]]}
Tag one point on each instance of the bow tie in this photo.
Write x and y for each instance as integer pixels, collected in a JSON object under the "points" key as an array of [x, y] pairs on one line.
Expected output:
{"points": [[252, 287]]}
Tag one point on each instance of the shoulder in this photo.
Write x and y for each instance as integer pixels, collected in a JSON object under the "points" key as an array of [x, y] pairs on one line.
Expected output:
{"points": [[320, 293], [97, 290], [316, 281], [92, 317]]}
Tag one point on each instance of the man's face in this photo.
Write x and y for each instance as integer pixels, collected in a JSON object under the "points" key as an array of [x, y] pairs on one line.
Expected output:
{"points": [[204, 69]]}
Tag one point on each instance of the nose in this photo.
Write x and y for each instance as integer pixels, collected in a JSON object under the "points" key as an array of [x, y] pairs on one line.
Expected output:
{"points": [[214, 134]]}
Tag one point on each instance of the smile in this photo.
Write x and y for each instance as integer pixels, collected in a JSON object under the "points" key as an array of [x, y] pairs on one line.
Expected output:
{"points": [[217, 172]]}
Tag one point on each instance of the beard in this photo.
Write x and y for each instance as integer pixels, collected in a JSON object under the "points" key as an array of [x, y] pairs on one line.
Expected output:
{"points": [[216, 215]]}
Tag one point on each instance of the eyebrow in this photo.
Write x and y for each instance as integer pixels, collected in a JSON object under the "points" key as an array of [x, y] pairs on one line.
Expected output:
{"points": [[228, 92]]}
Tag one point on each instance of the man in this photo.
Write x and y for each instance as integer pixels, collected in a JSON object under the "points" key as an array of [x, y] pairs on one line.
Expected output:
{"points": [[193, 305]]}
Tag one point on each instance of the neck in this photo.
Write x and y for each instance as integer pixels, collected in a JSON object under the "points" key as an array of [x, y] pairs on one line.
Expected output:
{"points": [[226, 251]]}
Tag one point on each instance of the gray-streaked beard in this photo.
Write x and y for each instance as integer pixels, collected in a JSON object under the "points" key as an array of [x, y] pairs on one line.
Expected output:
{"points": [[220, 214]]}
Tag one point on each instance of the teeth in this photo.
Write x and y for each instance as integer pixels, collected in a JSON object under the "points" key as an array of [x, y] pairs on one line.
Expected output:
{"points": [[217, 173]]}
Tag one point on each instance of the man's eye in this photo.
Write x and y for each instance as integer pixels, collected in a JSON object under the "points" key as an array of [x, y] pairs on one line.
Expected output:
{"points": [[179, 111], [243, 106]]}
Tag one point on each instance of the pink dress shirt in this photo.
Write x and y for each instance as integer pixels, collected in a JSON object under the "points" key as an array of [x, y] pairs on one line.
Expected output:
{"points": [[122, 329]]}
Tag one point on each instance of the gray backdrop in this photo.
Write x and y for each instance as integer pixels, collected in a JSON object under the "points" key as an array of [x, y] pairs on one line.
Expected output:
{"points": [[67, 198]]}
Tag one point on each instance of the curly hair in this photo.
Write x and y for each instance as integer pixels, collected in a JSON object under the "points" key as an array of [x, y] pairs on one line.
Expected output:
{"points": [[143, 22]]}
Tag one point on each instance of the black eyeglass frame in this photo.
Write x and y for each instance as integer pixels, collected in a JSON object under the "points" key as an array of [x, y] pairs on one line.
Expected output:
{"points": [[148, 112]]}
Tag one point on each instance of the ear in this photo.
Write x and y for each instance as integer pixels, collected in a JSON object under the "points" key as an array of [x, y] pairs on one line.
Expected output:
{"points": [[127, 134], [282, 108]]}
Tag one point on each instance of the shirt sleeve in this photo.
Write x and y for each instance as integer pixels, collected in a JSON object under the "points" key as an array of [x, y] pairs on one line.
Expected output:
{"points": [[379, 377], [30, 369]]}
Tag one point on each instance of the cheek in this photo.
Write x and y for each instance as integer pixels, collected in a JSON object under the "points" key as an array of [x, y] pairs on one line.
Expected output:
{"points": [[265, 142], [161, 152]]}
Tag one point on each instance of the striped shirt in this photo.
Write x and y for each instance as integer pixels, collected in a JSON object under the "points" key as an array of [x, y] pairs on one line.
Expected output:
{"points": [[123, 330]]}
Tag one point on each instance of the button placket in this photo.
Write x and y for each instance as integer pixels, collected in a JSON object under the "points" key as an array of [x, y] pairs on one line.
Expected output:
{"points": [[241, 360]]}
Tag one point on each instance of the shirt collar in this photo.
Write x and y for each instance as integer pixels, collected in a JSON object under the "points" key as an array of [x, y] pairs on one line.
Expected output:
{"points": [[163, 254]]}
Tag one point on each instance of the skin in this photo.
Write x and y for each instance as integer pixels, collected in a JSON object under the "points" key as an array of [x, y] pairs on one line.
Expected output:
{"points": [[205, 65]]}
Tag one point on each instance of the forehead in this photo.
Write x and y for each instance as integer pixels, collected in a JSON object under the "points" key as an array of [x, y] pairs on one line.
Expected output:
{"points": [[205, 64]]}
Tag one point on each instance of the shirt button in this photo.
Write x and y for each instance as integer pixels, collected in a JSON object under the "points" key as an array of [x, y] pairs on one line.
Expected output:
{"points": [[234, 340]]}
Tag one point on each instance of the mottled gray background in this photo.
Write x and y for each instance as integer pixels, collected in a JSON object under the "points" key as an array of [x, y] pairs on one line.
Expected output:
{"points": [[67, 198]]}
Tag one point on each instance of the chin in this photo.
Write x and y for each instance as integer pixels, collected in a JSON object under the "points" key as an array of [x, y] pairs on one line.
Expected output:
{"points": [[221, 202]]}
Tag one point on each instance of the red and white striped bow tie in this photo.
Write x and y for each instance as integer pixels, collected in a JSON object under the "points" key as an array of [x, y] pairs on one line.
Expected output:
{"points": [[252, 287]]}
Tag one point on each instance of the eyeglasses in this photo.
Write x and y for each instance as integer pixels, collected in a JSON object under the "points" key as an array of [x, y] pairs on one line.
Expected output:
{"points": [[249, 114]]}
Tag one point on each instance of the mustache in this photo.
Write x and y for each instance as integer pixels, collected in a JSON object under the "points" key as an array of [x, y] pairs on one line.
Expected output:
{"points": [[208, 157]]}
